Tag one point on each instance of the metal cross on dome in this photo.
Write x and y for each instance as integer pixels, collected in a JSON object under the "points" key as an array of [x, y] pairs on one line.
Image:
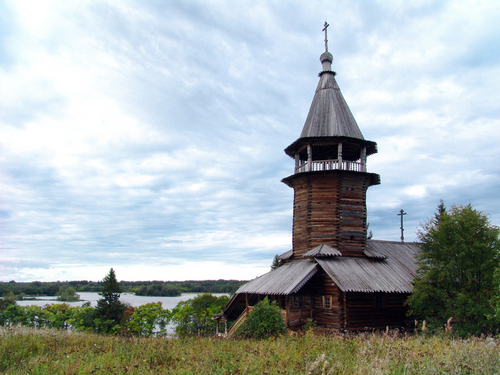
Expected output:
{"points": [[326, 36]]}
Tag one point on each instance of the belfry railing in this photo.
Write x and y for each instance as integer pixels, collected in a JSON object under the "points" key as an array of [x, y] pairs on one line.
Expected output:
{"points": [[329, 165]]}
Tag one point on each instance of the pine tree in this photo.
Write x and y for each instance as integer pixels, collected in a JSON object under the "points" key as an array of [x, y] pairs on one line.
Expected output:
{"points": [[276, 262], [109, 310]]}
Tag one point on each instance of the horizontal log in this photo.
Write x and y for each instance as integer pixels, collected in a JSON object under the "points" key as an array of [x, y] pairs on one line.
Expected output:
{"points": [[353, 214], [348, 207]]}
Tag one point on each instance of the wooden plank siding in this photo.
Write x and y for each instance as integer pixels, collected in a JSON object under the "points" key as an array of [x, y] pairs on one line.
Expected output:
{"points": [[329, 208]]}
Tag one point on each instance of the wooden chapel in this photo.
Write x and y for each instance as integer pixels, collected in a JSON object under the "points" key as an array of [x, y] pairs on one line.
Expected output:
{"points": [[333, 273]]}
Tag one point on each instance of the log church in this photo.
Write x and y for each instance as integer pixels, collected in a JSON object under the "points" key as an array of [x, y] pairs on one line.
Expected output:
{"points": [[333, 273]]}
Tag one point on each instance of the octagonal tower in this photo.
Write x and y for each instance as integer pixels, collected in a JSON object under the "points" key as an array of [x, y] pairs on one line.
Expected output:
{"points": [[330, 178]]}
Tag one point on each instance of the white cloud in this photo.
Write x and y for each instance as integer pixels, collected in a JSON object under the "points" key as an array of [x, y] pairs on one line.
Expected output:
{"points": [[147, 136]]}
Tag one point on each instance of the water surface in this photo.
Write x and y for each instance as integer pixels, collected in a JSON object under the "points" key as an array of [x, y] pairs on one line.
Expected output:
{"points": [[131, 299]]}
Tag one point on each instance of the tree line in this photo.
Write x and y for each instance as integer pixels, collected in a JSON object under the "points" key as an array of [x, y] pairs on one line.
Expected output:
{"points": [[111, 316], [140, 288]]}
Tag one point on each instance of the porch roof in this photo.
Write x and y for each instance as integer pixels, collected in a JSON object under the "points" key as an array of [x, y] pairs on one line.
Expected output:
{"points": [[284, 280]]}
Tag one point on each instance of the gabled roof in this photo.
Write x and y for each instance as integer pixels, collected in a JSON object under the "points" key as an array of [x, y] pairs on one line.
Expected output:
{"points": [[329, 115], [402, 252], [391, 275], [390, 268], [284, 280], [323, 251]]}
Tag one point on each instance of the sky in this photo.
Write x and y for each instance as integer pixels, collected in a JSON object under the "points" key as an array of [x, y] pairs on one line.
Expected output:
{"points": [[148, 136]]}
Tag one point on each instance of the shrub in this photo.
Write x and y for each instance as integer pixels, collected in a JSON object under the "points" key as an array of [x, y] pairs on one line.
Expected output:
{"points": [[146, 320], [194, 316], [310, 325], [264, 321]]}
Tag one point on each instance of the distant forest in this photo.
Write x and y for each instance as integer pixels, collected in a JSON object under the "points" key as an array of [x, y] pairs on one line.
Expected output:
{"points": [[140, 288]]}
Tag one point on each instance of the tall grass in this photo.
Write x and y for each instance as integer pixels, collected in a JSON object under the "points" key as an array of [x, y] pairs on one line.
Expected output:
{"points": [[49, 351]]}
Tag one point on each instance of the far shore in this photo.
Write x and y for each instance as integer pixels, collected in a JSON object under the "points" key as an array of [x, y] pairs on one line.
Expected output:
{"points": [[46, 298]]}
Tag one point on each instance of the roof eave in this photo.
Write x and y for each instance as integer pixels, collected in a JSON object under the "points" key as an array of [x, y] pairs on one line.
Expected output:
{"points": [[374, 177], [371, 147]]}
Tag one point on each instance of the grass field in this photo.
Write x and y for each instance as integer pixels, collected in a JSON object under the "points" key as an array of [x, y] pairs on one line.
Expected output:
{"points": [[39, 351]]}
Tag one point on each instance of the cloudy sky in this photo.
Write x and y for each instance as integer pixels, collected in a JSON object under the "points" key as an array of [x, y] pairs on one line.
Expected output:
{"points": [[148, 136]]}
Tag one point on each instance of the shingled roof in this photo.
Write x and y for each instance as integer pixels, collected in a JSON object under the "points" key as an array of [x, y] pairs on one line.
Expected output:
{"points": [[394, 274], [329, 115], [390, 268], [323, 251], [284, 280]]}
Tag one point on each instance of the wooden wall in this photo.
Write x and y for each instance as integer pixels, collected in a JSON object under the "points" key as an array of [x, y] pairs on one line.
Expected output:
{"points": [[364, 311], [297, 315], [352, 198], [352, 311], [324, 286], [330, 208]]}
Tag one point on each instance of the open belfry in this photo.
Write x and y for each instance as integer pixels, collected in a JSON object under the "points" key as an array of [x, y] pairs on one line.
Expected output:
{"points": [[333, 274]]}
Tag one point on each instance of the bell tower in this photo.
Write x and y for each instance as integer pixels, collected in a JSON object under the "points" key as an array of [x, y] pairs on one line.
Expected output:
{"points": [[330, 178]]}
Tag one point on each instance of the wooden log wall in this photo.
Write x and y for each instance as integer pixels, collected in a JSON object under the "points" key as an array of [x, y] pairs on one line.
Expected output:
{"points": [[330, 208], [353, 214], [324, 286], [298, 315], [365, 312]]}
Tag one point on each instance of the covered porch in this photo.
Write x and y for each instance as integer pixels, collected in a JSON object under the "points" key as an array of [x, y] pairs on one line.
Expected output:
{"points": [[284, 285]]}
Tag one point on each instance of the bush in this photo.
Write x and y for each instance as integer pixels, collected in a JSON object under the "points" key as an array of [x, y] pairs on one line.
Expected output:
{"points": [[194, 316], [264, 321], [146, 320]]}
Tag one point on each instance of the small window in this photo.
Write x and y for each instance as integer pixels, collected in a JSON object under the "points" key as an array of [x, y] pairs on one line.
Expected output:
{"points": [[379, 301], [301, 301], [327, 302], [307, 301]]}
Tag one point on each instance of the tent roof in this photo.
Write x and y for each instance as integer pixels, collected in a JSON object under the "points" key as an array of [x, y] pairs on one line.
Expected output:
{"points": [[329, 114]]}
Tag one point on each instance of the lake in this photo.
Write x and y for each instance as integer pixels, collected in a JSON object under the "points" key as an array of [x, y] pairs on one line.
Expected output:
{"points": [[131, 299]]}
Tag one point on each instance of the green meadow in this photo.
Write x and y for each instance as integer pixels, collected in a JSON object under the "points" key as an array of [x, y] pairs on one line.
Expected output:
{"points": [[52, 351]]}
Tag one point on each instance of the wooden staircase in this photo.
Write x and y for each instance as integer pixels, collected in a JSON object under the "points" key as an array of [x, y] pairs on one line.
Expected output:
{"points": [[241, 319]]}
